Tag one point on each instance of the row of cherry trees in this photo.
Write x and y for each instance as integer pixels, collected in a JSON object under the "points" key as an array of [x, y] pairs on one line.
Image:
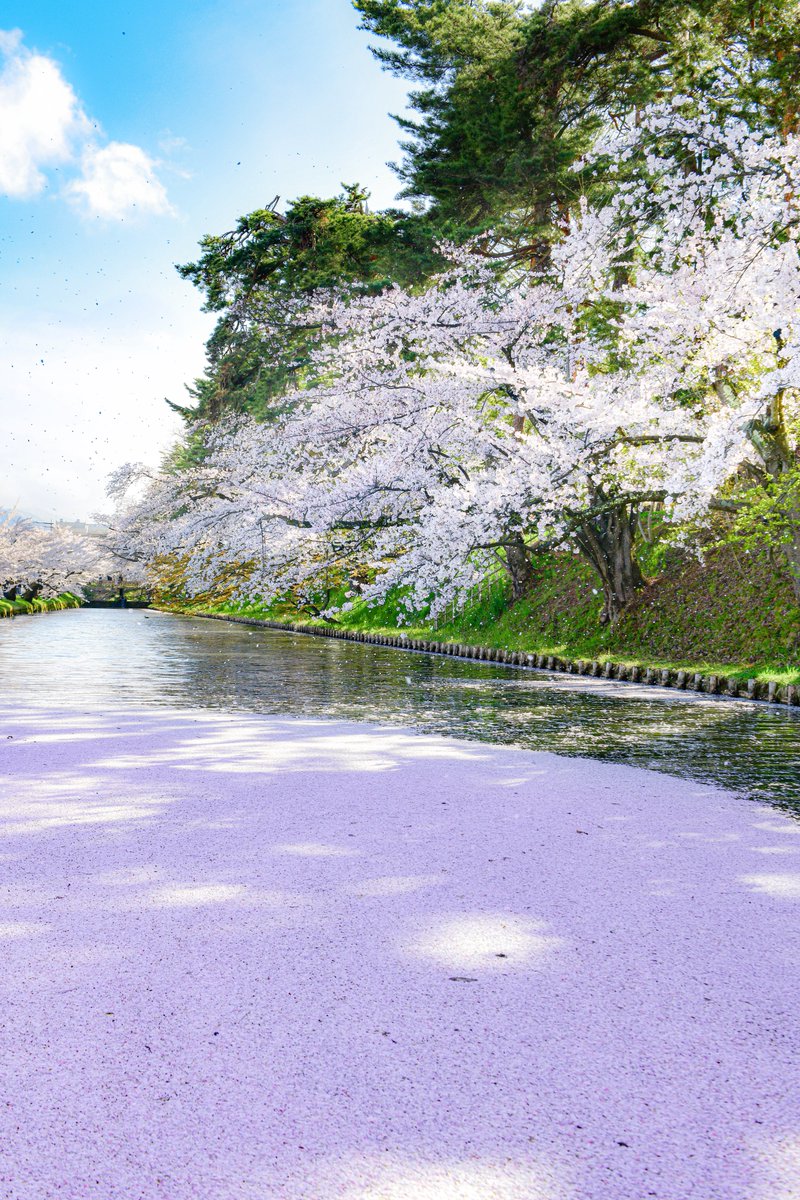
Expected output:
{"points": [[37, 561], [649, 359]]}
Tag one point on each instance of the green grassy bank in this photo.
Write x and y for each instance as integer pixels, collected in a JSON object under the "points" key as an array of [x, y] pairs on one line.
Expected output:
{"points": [[732, 615], [13, 608]]}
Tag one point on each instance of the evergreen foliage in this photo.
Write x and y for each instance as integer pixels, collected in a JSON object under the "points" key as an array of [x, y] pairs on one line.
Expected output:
{"points": [[258, 274], [510, 99]]}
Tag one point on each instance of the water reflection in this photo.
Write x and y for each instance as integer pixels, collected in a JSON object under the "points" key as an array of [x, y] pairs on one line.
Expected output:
{"points": [[116, 657]]}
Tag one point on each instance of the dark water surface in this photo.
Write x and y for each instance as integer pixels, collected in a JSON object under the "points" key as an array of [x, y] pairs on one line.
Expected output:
{"points": [[118, 657]]}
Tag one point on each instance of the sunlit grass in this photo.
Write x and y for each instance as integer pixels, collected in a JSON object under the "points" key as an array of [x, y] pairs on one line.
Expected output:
{"points": [[14, 608]]}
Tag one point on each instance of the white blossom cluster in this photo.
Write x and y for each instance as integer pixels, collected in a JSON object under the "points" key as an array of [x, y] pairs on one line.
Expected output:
{"points": [[648, 363]]}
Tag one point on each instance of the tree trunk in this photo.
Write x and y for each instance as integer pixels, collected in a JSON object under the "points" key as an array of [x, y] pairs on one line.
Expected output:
{"points": [[519, 566], [607, 541], [771, 439]]}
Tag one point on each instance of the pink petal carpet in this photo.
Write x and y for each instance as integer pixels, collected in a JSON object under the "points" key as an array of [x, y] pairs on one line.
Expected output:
{"points": [[246, 958]]}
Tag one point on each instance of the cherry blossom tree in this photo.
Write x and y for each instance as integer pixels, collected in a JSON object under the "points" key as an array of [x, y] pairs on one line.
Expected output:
{"points": [[655, 360], [716, 296], [48, 561], [466, 424]]}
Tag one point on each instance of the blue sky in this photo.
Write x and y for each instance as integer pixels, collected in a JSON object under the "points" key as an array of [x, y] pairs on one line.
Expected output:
{"points": [[127, 131]]}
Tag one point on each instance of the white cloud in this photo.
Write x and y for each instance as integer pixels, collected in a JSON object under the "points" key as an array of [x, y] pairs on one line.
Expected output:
{"points": [[170, 144], [43, 125], [10, 40], [40, 118], [117, 180]]}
